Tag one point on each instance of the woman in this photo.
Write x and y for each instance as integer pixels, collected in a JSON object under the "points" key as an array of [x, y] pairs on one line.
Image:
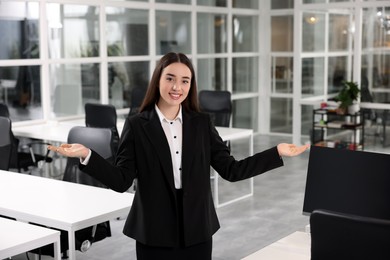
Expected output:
{"points": [[169, 147]]}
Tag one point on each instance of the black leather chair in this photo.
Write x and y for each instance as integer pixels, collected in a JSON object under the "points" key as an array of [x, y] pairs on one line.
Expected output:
{"points": [[218, 104], [340, 236], [137, 96], [97, 139], [103, 116], [25, 156], [5, 143]]}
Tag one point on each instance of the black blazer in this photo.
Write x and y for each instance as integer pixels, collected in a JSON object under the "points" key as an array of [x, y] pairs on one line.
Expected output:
{"points": [[144, 154]]}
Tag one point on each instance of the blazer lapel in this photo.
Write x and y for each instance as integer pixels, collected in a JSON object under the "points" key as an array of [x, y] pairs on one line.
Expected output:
{"points": [[189, 143], [155, 133]]}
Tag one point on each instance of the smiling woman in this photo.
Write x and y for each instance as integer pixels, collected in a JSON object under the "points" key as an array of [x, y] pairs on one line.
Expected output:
{"points": [[169, 147]]}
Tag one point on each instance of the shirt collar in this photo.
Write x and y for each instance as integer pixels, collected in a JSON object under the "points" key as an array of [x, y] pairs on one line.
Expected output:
{"points": [[162, 117]]}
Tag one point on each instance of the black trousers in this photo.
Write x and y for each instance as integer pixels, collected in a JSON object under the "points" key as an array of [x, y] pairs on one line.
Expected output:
{"points": [[201, 251]]}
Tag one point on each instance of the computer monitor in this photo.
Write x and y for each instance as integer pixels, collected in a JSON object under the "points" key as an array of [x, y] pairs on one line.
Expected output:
{"points": [[355, 182]]}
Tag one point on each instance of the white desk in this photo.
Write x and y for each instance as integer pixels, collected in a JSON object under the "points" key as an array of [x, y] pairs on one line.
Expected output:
{"points": [[58, 132], [17, 237], [59, 204], [295, 246]]}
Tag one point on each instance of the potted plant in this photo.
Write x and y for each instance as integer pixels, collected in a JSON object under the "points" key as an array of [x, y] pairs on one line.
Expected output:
{"points": [[348, 97]]}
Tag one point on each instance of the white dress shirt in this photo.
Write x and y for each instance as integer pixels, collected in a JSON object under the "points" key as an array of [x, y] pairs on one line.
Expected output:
{"points": [[173, 131]]}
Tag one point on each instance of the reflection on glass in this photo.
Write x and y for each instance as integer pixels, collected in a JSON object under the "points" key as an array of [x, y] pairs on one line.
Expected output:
{"points": [[337, 73], [74, 84], [245, 75], [212, 74], [212, 33], [245, 113], [376, 57], [19, 30], [245, 31], [282, 32], [313, 79], [20, 90], [123, 78], [281, 75], [250, 4], [281, 115], [282, 4], [127, 32], [174, 1], [313, 28], [338, 32], [218, 3], [73, 30], [173, 32]]}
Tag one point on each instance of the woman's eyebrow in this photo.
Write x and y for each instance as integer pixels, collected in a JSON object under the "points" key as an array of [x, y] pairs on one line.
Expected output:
{"points": [[172, 75]]}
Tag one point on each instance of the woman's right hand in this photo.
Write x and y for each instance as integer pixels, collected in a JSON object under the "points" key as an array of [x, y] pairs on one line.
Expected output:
{"points": [[70, 150]]}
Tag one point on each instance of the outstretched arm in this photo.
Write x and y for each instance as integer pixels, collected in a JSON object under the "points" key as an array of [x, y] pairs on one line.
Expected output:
{"points": [[285, 149], [70, 150]]}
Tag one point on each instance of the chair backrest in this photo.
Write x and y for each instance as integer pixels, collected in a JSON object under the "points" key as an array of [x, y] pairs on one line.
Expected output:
{"points": [[103, 116], [4, 110], [218, 104], [336, 235], [97, 139], [5, 142], [137, 96]]}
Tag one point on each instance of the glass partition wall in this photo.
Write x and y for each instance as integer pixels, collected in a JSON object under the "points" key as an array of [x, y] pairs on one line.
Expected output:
{"points": [[280, 58], [55, 56]]}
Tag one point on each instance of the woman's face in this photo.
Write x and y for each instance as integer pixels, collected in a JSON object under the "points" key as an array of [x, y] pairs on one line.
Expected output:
{"points": [[175, 83]]}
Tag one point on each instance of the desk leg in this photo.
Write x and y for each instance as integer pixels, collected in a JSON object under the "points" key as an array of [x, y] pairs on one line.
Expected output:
{"points": [[57, 249], [72, 246]]}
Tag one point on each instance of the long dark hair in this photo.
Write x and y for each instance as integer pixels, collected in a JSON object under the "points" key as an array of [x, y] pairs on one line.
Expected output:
{"points": [[153, 94]]}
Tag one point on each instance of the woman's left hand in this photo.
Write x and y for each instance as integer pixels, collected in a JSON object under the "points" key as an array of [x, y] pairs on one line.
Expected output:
{"points": [[291, 149]]}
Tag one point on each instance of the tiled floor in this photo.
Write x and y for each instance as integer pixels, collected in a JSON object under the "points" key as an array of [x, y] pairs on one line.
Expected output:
{"points": [[273, 212]]}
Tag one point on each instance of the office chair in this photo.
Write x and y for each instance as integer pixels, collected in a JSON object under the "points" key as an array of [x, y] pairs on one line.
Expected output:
{"points": [[24, 156], [99, 140], [103, 116], [137, 96], [336, 235], [218, 104], [5, 143]]}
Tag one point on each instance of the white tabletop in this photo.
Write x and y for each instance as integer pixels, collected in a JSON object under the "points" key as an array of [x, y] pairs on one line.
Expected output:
{"points": [[57, 131], [295, 246], [63, 205], [17, 237]]}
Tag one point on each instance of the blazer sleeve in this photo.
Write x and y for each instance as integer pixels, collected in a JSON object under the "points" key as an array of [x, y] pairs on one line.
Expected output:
{"points": [[235, 170]]}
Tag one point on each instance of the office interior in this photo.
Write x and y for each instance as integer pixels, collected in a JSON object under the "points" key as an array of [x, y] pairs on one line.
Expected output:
{"points": [[280, 59]]}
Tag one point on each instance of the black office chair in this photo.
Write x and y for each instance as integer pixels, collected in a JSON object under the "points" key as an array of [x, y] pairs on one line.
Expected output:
{"points": [[5, 143], [218, 104], [26, 156], [137, 96], [99, 140], [336, 235], [103, 116]]}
